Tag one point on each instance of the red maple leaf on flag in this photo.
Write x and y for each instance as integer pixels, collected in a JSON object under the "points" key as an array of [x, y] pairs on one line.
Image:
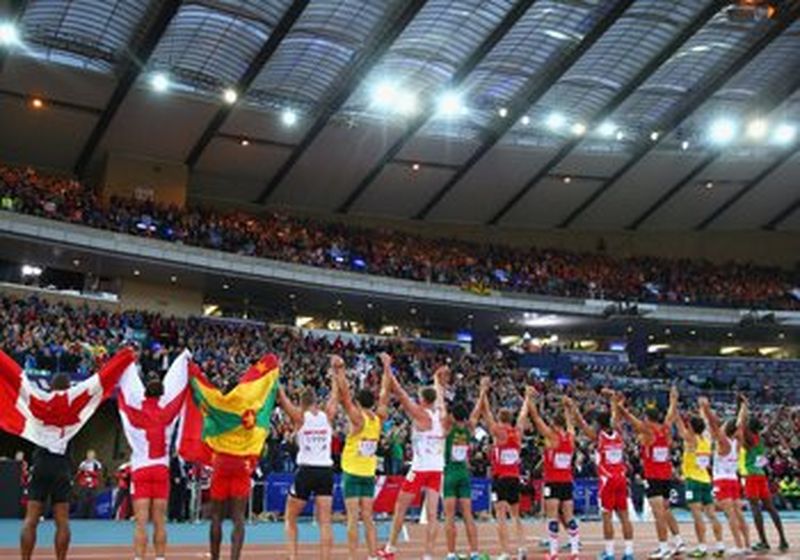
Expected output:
{"points": [[153, 419], [58, 411]]}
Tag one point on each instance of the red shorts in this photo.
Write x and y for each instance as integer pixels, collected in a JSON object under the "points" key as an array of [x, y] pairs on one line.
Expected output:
{"points": [[150, 483], [416, 481], [727, 490], [613, 493], [231, 477], [756, 487]]}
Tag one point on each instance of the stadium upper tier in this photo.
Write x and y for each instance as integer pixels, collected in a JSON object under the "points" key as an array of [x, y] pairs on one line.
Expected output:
{"points": [[384, 252]]}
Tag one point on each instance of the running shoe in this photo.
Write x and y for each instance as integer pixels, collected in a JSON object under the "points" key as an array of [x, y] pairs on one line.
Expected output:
{"points": [[679, 549], [760, 547], [784, 546], [718, 553], [522, 554], [697, 553], [627, 557], [605, 556], [384, 554], [660, 555]]}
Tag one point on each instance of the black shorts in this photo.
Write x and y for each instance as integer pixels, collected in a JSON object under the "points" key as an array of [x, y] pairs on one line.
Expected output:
{"points": [[506, 489], [558, 491], [51, 478], [312, 480], [655, 487]]}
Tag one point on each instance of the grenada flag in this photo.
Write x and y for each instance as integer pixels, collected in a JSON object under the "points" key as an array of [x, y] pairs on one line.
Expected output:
{"points": [[236, 423], [50, 419]]}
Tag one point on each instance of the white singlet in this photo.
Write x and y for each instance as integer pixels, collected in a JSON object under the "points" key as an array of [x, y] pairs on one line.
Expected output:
{"points": [[727, 466], [314, 440], [428, 446]]}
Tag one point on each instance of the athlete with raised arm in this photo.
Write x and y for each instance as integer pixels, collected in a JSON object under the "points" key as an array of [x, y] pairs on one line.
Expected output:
{"points": [[559, 450], [506, 469], [756, 485], [612, 472], [359, 459], [314, 474], [429, 425], [727, 490], [655, 443], [697, 478]]}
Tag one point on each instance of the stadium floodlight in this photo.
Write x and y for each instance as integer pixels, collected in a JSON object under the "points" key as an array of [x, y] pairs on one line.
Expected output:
{"points": [[757, 129], [723, 131], [450, 104], [685, 145], [620, 136], [384, 94], [785, 134], [289, 117], [9, 35], [503, 112], [607, 129], [406, 103], [578, 129], [30, 270], [230, 96], [555, 121], [525, 120], [159, 82], [654, 136]]}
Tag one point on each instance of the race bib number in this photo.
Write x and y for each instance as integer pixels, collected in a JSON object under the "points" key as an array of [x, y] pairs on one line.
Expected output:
{"points": [[703, 461], [660, 454], [689, 495], [509, 457], [563, 460], [547, 492], [613, 456], [761, 461], [367, 447], [458, 453]]}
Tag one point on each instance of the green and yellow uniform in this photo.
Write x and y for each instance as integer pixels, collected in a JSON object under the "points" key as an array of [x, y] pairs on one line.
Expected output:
{"points": [[359, 459], [696, 474], [457, 483], [755, 459]]}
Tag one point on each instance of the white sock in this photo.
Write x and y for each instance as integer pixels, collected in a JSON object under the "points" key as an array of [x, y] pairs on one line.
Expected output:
{"points": [[427, 557], [677, 540], [720, 545], [609, 546], [629, 547], [662, 547], [389, 548]]}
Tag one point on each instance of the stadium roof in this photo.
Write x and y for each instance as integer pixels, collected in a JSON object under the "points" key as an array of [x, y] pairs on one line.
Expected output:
{"points": [[591, 114]]}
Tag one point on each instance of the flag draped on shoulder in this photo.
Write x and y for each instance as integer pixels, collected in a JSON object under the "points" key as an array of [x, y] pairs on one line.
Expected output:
{"points": [[150, 422], [235, 423], [51, 419]]}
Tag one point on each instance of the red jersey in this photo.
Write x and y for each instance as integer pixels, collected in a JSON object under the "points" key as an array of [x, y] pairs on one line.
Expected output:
{"points": [[656, 460], [610, 455], [558, 459], [505, 455]]}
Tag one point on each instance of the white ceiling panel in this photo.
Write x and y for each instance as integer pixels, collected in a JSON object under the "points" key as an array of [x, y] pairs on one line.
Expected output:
{"points": [[438, 150], [399, 190], [549, 203]]}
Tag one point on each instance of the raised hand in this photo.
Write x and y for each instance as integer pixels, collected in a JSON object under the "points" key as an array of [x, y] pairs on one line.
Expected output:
{"points": [[702, 402], [530, 392], [485, 384], [386, 360], [673, 394]]}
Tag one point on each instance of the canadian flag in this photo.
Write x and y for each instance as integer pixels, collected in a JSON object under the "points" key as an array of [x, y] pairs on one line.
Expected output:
{"points": [[150, 422], [51, 419]]}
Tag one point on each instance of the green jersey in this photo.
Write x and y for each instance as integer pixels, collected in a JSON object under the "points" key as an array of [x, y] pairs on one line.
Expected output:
{"points": [[456, 450], [755, 458]]}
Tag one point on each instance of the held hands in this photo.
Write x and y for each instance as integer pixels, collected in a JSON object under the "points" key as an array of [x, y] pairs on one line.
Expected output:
{"points": [[485, 384], [673, 394], [386, 360], [530, 392]]}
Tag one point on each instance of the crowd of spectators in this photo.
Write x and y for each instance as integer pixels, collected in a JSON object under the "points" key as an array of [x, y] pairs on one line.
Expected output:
{"points": [[46, 336], [384, 252]]}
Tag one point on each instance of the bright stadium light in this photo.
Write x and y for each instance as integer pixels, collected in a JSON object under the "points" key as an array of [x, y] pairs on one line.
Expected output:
{"points": [[503, 112], [450, 104], [525, 120], [784, 134], [289, 117], [406, 103], [555, 121], [9, 35], [578, 129], [159, 82], [384, 94], [620, 136], [30, 270], [654, 136], [607, 129], [230, 96], [723, 131], [685, 145], [757, 129], [389, 97]]}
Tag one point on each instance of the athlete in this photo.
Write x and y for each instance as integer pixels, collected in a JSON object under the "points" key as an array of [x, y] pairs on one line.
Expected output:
{"points": [[505, 465], [756, 486], [697, 478], [314, 474], [559, 449], [457, 480], [428, 419], [727, 490], [611, 472], [655, 442], [149, 415], [359, 459]]}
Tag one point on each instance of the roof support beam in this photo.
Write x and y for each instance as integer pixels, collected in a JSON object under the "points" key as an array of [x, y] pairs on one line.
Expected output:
{"points": [[777, 220], [527, 97], [755, 181], [348, 84], [131, 68], [685, 108], [15, 13], [651, 68], [253, 70], [511, 18]]}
